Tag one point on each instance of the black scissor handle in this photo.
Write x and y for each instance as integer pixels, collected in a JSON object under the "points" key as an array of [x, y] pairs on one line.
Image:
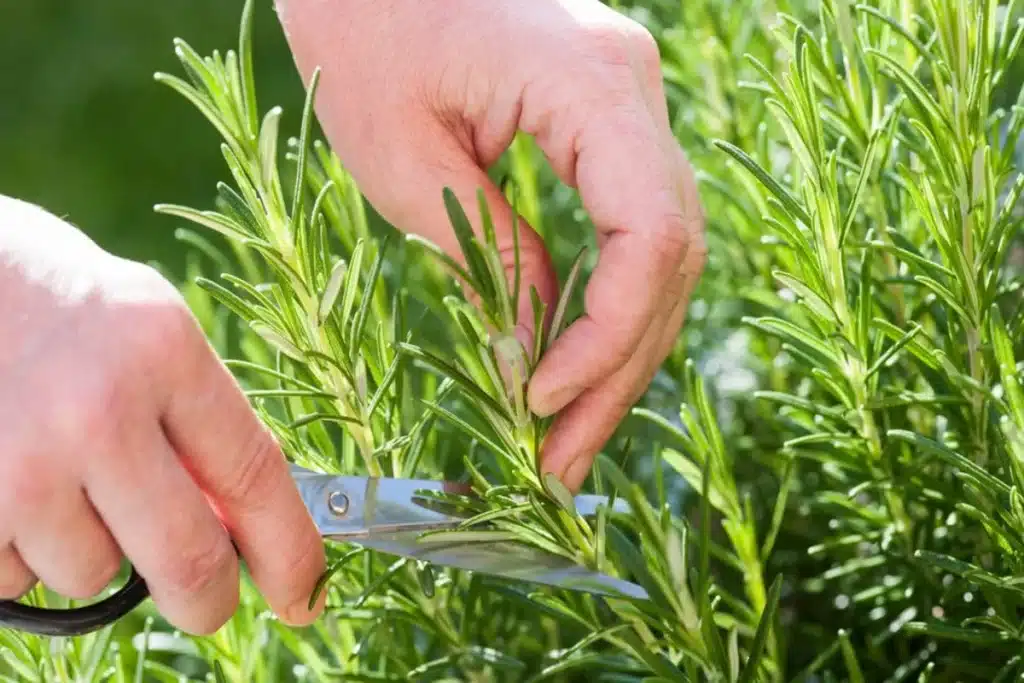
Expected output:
{"points": [[77, 621]]}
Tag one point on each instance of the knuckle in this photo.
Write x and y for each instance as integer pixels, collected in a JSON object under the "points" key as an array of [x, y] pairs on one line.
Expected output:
{"points": [[258, 472], [697, 252], [90, 411], [609, 42], [155, 316], [15, 585], [644, 46], [619, 348], [32, 487], [695, 222], [622, 42], [692, 247], [199, 567], [95, 576], [159, 328], [673, 237], [15, 578], [614, 67]]}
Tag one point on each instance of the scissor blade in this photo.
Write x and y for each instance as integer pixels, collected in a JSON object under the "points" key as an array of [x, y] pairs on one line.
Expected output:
{"points": [[505, 560], [345, 506], [587, 504]]}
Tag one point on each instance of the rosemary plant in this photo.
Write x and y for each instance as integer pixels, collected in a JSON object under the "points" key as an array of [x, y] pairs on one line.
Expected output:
{"points": [[825, 479]]}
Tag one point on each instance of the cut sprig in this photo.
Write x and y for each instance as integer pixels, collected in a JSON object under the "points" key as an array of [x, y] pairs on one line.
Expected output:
{"points": [[493, 367]]}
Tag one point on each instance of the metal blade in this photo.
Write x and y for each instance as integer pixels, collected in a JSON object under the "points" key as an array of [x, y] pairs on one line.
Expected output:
{"points": [[343, 506], [355, 506], [386, 515], [505, 560], [587, 504]]}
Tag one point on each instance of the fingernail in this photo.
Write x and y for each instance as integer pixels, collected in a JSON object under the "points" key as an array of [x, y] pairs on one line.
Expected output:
{"points": [[300, 615], [553, 461], [542, 457], [576, 474]]}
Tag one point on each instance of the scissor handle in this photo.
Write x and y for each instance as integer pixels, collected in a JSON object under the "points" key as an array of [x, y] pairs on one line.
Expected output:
{"points": [[77, 621]]}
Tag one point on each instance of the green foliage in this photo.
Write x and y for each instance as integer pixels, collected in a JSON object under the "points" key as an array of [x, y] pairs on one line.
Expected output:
{"points": [[858, 517], [84, 133]]}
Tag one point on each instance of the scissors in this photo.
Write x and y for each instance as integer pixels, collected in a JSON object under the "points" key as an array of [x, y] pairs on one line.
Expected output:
{"points": [[383, 514]]}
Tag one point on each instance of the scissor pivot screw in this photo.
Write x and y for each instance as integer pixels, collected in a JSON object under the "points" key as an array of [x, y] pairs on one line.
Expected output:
{"points": [[337, 502]]}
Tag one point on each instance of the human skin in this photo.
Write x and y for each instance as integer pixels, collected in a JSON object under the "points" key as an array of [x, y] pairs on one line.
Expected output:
{"points": [[417, 96], [123, 435]]}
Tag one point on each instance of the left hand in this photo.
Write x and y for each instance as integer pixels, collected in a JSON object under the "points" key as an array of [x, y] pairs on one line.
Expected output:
{"points": [[418, 96]]}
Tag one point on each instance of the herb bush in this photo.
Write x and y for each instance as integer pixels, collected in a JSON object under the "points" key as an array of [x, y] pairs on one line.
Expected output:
{"points": [[826, 476]]}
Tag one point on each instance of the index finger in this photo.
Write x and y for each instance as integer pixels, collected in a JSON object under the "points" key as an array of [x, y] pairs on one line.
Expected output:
{"points": [[238, 464], [633, 188]]}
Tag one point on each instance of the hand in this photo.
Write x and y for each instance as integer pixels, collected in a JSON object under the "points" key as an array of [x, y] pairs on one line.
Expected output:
{"points": [[417, 96], [121, 433]]}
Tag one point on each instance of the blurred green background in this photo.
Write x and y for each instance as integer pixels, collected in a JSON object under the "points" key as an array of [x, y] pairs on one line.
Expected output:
{"points": [[87, 133]]}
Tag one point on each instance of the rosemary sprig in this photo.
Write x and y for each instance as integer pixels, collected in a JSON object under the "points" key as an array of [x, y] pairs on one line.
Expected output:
{"points": [[835, 487]]}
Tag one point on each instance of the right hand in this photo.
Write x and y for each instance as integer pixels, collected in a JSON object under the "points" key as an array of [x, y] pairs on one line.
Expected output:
{"points": [[122, 434]]}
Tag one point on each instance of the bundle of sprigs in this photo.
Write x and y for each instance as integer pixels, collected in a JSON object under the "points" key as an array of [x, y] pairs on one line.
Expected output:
{"points": [[824, 479]]}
